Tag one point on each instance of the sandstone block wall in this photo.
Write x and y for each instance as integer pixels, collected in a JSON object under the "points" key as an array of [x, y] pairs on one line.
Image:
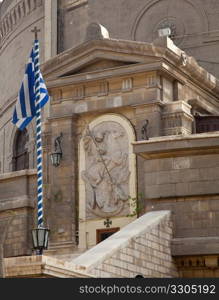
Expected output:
{"points": [[16, 227], [181, 176], [189, 187], [17, 201], [39, 266], [142, 247]]}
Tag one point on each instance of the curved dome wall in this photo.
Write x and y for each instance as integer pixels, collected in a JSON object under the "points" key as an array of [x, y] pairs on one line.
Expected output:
{"points": [[17, 19], [15, 42], [194, 24]]}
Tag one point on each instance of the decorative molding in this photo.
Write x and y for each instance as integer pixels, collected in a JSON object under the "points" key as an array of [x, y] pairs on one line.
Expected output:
{"points": [[177, 123], [127, 84], [103, 88], [180, 145], [177, 29], [198, 8], [76, 4], [15, 15], [198, 265], [79, 92], [152, 81]]}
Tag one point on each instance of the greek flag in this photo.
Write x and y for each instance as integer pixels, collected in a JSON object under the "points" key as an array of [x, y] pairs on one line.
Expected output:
{"points": [[26, 107]]}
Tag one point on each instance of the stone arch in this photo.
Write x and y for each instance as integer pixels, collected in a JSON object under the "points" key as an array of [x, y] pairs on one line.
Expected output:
{"points": [[30, 146], [200, 11], [20, 159]]}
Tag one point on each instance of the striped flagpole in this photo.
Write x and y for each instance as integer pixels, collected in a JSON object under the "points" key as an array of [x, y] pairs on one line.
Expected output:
{"points": [[38, 136]]}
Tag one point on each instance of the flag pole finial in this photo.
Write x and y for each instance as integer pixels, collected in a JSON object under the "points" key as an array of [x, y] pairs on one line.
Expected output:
{"points": [[35, 31]]}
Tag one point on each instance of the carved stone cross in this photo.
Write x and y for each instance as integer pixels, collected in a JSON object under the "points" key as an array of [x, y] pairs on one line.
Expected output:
{"points": [[107, 223], [35, 31]]}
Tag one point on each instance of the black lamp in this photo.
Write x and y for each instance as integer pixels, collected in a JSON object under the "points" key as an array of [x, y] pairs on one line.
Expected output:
{"points": [[40, 237], [57, 155], [56, 158]]}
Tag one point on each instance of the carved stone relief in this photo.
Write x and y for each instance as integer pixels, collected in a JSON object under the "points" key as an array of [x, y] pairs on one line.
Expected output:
{"points": [[106, 174]]}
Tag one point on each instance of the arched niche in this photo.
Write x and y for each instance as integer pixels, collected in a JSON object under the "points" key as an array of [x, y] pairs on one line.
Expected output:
{"points": [[184, 17], [30, 146], [20, 160], [107, 173]]}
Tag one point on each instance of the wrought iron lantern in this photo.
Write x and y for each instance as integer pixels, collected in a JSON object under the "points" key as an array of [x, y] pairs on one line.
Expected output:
{"points": [[57, 155], [40, 237]]}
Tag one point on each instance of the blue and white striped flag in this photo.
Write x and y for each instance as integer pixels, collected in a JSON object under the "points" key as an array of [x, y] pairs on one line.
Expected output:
{"points": [[33, 95], [26, 107]]}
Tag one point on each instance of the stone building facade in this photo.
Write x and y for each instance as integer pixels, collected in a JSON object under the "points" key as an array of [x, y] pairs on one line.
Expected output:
{"points": [[133, 111]]}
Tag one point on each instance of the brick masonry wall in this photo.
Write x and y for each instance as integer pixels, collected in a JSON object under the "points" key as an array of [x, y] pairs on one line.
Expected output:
{"points": [[147, 252]]}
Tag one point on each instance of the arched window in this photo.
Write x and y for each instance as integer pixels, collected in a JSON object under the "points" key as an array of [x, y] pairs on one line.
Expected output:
{"points": [[20, 153]]}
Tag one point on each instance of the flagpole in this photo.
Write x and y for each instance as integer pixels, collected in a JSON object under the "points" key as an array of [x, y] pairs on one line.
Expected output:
{"points": [[32, 97], [38, 133]]}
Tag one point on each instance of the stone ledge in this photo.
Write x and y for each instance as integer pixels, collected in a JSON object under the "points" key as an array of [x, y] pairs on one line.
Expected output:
{"points": [[76, 4], [15, 203], [195, 246], [29, 172], [40, 266], [173, 146]]}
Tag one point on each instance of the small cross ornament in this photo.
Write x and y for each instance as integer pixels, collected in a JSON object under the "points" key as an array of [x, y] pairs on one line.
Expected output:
{"points": [[107, 223], [35, 31]]}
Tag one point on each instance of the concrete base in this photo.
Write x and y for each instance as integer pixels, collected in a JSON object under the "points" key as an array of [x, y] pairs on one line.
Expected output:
{"points": [[41, 267]]}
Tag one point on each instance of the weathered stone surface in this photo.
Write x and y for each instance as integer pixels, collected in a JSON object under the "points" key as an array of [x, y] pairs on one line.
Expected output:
{"points": [[125, 75], [61, 188], [193, 218], [16, 212], [142, 247], [183, 145], [96, 31], [40, 267], [198, 266], [200, 19], [195, 245]]}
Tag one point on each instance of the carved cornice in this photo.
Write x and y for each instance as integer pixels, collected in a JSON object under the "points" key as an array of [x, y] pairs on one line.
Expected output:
{"points": [[72, 60], [14, 16], [176, 146], [75, 4]]}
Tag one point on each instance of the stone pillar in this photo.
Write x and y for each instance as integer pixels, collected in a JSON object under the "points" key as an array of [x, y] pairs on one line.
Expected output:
{"points": [[177, 118], [50, 28], [152, 113], [50, 39], [1, 261], [61, 188], [178, 91]]}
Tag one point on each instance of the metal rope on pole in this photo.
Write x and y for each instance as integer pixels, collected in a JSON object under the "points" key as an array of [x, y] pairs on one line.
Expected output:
{"points": [[38, 137]]}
